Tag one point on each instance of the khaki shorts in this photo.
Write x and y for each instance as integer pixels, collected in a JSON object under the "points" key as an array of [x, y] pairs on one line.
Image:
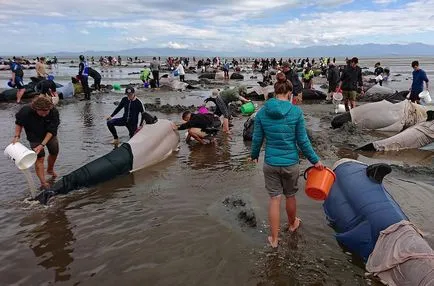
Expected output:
{"points": [[281, 180], [349, 95], [198, 132], [299, 98]]}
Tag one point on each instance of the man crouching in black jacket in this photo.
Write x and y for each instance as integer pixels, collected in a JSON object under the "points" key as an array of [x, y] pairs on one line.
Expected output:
{"points": [[199, 126]]}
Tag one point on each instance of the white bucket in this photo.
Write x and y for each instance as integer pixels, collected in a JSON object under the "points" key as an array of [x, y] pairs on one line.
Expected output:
{"points": [[379, 78], [21, 155], [425, 97], [337, 96]]}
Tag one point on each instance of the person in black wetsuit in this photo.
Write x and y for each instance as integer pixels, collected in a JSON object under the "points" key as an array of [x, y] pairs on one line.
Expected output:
{"points": [[83, 74], [96, 79], [132, 108]]}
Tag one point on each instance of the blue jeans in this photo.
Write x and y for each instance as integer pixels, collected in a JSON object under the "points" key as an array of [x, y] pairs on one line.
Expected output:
{"points": [[131, 126]]}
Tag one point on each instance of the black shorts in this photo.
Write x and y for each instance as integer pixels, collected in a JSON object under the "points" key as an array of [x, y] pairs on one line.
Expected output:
{"points": [[414, 96], [19, 84], [52, 146]]}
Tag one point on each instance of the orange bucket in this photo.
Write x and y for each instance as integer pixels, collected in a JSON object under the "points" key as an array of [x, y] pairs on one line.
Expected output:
{"points": [[318, 182]]}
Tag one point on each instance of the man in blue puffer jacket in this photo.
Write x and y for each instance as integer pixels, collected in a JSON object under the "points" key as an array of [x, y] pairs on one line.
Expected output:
{"points": [[282, 125]]}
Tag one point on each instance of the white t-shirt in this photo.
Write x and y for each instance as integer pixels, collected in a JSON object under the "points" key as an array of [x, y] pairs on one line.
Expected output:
{"points": [[180, 70]]}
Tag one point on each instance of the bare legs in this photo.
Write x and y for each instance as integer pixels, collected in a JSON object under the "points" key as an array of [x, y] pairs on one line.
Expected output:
{"points": [[274, 217], [50, 168], [40, 172], [20, 94]]}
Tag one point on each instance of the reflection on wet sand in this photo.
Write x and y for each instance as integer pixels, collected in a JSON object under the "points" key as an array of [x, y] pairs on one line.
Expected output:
{"points": [[52, 242]]}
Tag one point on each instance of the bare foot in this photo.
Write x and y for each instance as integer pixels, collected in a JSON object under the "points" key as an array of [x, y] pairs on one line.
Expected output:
{"points": [[294, 226], [273, 244], [52, 173], [44, 186]]}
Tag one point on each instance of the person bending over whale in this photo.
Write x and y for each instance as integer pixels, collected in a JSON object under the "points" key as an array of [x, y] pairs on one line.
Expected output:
{"points": [[132, 108], [40, 121], [200, 126], [222, 102]]}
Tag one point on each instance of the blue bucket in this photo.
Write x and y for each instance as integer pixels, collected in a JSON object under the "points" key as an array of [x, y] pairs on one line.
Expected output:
{"points": [[50, 77]]}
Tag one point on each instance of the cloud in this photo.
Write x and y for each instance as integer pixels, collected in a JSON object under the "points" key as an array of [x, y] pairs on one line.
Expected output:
{"points": [[260, 44], [54, 14], [136, 40], [174, 45], [224, 25], [383, 2]]}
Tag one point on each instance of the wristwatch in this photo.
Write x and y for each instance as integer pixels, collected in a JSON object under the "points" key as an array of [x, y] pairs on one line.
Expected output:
{"points": [[43, 145]]}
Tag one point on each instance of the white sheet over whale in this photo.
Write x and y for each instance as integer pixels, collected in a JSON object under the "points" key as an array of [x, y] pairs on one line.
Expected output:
{"points": [[153, 144], [414, 137], [173, 83], [387, 116]]}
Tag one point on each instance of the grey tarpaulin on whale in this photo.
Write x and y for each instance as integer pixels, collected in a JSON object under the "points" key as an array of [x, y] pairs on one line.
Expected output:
{"points": [[117, 162]]}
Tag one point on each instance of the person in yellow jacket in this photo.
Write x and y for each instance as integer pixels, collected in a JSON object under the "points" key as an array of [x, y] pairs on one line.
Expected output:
{"points": [[146, 75], [307, 77]]}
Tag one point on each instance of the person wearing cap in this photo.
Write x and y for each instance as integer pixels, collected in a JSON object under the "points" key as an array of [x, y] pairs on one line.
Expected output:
{"points": [[83, 74], [222, 101], [17, 78], [40, 121], [351, 80], [132, 108], [41, 73], [297, 87]]}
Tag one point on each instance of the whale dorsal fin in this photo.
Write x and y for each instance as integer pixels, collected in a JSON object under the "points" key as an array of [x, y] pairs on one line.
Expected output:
{"points": [[377, 172]]}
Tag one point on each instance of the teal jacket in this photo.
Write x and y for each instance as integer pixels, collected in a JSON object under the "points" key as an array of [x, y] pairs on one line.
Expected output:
{"points": [[282, 125]]}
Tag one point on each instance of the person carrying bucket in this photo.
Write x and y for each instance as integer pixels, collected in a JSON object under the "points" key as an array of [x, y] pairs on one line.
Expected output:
{"points": [[419, 77], [282, 126], [40, 121]]}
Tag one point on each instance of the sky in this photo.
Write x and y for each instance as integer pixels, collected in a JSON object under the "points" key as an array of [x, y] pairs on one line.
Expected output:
{"points": [[46, 26]]}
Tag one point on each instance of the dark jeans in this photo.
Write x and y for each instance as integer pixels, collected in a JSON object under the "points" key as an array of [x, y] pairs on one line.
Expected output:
{"points": [[86, 88], [182, 78], [97, 83], [131, 126], [156, 76]]}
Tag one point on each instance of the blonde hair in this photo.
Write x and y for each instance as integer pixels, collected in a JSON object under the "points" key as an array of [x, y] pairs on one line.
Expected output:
{"points": [[42, 102]]}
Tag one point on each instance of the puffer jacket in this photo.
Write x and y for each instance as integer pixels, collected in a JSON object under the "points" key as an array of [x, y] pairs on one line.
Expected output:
{"points": [[282, 125]]}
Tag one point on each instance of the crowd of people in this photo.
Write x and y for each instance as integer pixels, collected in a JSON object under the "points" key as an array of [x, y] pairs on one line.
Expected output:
{"points": [[279, 124]]}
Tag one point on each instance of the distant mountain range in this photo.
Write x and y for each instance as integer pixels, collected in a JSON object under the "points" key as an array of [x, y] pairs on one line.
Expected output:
{"points": [[365, 50]]}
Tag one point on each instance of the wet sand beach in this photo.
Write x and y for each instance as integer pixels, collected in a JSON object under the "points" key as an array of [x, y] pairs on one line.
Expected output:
{"points": [[197, 218]]}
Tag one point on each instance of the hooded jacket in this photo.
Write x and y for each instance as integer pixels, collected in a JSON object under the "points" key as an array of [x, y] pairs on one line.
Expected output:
{"points": [[282, 125]]}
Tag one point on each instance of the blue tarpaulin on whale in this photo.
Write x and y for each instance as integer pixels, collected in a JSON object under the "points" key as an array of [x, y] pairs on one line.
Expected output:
{"points": [[358, 208]]}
